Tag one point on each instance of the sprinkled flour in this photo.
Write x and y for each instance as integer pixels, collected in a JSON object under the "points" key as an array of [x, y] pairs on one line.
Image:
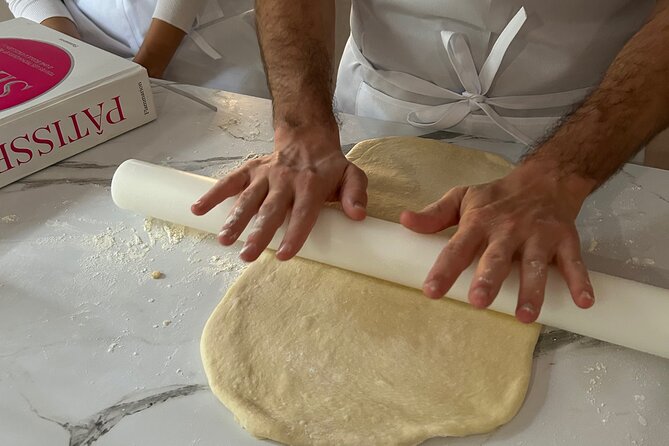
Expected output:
{"points": [[168, 235]]}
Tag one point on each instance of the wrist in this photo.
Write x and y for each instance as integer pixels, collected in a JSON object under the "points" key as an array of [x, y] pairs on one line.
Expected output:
{"points": [[315, 137], [160, 44], [302, 112], [154, 63], [566, 184]]}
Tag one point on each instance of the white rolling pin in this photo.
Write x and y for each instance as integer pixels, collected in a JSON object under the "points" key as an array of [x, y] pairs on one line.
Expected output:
{"points": [[626, 313]]}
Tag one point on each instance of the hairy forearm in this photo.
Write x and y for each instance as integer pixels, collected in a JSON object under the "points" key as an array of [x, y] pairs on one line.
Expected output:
{"points": [[630, 106], [297, 42], [160, 44]]}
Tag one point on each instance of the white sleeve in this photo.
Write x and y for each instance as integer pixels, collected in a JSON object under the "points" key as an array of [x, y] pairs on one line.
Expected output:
{"points": [[38, 10], [178, 13]]}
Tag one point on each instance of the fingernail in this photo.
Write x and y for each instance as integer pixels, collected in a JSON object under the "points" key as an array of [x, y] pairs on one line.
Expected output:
{"points": [[247, 248], [587, 296], [197, 203], [528, 308], [283, 249], [480, 297], [224, 233], [358, 205], [432, 287]]}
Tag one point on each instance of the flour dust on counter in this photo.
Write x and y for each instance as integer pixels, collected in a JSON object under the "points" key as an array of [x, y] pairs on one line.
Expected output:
{"points": [[307, 354], [244, 125], [12, 218]]}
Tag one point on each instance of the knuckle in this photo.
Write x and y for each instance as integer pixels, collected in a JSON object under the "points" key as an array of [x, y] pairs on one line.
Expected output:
{"points": [[496, 256], [301, 213], [477, 217], [310, 177], [268, 209], [455, 248], [509, 227], [535, 266], [246, 195], [566, 232], [459, 191], [572, 261], [221, 182], [251, 164]]}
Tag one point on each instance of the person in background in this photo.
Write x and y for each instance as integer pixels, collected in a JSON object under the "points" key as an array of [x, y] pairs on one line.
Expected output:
{"points": [[211, 43]]}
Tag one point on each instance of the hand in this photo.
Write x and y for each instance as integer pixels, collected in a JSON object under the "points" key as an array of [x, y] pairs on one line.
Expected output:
{"points": [[527, 215], [306, 169]]}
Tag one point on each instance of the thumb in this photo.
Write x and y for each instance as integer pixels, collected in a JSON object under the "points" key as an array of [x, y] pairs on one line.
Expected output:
{"points": [[353, 193], [438, 216]]}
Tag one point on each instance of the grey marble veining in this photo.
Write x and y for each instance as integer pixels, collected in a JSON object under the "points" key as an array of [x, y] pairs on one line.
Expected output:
{"points": [[553, 339], [87, 432]]}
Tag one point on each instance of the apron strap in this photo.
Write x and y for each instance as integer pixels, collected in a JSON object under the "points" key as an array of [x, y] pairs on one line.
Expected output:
{"points": [[494, 59], [211, 14], [202, 43], [172, 86]]}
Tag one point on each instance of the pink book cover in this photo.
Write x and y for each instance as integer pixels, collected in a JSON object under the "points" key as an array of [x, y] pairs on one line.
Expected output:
{"points": [[60, 96]]}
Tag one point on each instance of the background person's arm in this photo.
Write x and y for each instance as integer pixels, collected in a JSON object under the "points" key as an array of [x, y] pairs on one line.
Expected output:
{"points": [[172, 20], [159, 46], [51, 13], [64, 25]]}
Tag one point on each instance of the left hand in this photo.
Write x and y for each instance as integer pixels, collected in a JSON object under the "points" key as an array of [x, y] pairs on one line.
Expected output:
{"points": [[528, 215]]}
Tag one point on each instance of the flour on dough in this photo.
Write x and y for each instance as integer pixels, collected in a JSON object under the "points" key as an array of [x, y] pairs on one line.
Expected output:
{"points": [[307, 354]]}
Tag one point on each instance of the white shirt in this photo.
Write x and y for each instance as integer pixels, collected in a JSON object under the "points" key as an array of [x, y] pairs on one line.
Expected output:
{"points": [[179, 13]]}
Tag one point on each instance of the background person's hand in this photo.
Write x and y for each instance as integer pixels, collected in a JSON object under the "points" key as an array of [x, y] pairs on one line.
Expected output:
{"points": [[306, 169], [528, 215]]}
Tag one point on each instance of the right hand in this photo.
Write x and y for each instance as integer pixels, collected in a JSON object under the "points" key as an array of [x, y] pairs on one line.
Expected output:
{"points": [[306, 169]]}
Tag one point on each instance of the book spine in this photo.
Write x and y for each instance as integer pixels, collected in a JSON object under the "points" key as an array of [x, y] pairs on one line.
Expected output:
{"points": [[77, 123]]}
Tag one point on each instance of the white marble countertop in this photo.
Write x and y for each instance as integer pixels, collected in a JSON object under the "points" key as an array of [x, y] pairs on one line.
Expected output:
{"points": [[95, 351]]}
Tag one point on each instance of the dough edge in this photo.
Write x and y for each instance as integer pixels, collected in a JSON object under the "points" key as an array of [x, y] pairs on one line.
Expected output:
{"points": [[260, 425]]}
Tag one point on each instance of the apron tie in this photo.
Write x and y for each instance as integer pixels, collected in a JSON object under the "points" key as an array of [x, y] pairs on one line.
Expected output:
{"points": [[476, 85], [211, 14]]}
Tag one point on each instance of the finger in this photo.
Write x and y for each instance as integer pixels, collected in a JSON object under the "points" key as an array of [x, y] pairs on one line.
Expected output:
{"points": [[353, 195], [533, 275], [493, 268], [302, 220], [574, 272], [453, 259], [244, 209], [439, 215], [224, 188], [270, 217]]}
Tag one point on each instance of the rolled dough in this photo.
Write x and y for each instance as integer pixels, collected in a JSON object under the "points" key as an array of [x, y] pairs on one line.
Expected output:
{"points": [[307, 354]]}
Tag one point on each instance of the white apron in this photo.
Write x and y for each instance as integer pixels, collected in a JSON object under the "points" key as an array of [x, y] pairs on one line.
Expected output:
{"points": [[220, 52], [504, 69]]}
